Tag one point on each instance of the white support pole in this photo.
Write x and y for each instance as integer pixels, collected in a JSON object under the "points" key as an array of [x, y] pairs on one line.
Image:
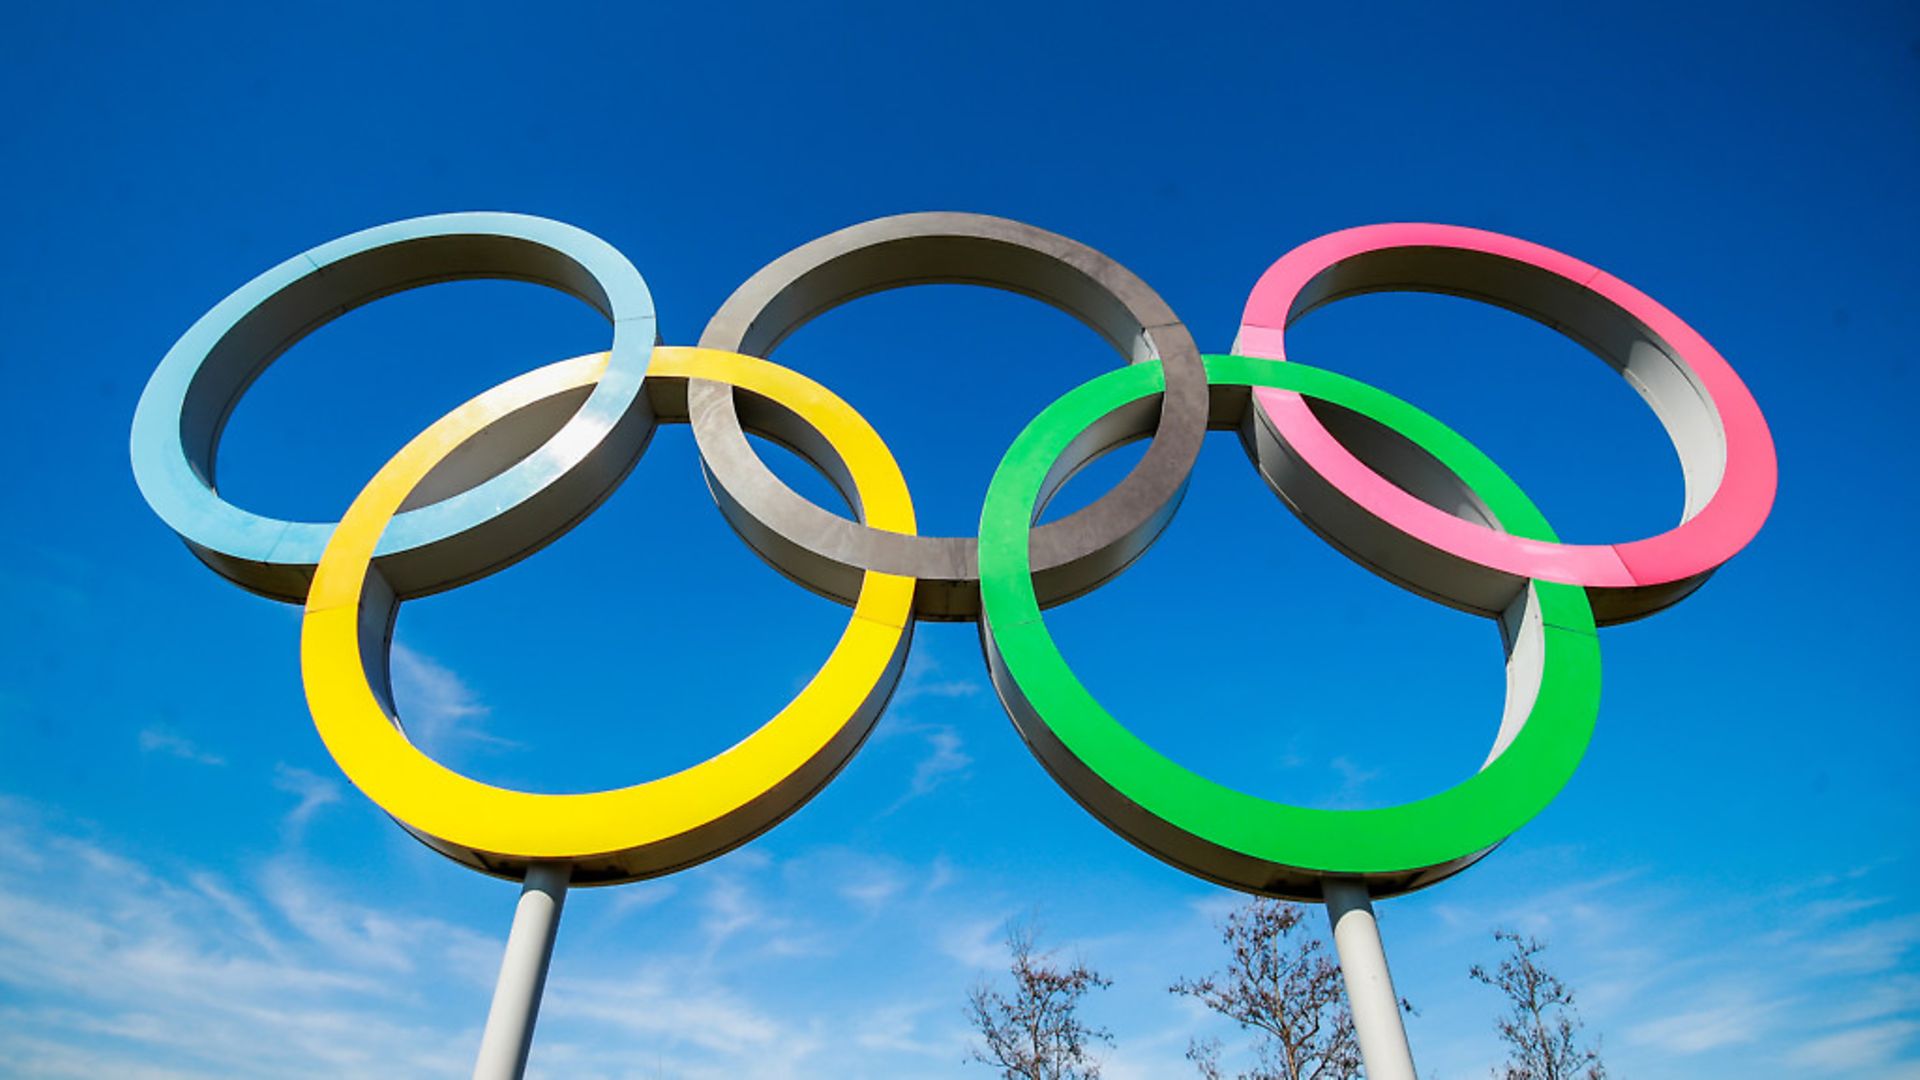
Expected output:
{"points": [[1363, 964], [523, 974]]}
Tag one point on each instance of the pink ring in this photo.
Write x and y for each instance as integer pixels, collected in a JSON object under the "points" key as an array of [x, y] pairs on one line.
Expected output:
{"points": [[1725, 448]]}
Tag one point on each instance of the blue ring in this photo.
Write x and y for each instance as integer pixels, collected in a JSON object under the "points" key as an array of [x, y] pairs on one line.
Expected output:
{"points": [[177, 425]]}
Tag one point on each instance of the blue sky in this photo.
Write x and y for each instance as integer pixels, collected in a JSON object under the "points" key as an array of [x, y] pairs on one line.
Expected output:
{"points": [[188, 888]]}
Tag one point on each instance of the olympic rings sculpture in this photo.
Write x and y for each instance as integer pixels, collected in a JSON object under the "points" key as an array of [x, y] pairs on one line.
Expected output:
{"points": [[516, 467]]}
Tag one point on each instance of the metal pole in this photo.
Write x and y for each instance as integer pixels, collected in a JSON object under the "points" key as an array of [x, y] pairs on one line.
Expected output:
{"points": [[523, 974], [1363, 964]]}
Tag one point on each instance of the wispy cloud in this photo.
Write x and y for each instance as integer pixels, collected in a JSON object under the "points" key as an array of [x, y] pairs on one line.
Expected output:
{"points": [[1352, 792], [1737, 1018], [873, 887], [903, 1027], [1865, 949], [640, 898], [729, 909], [653, 1006], [764, 965], [114, 969], [926, 677], [314, 791], [438, 706], [1857, 1048], [157, 740], [1678, 976], [946, 758], [976, 942]]}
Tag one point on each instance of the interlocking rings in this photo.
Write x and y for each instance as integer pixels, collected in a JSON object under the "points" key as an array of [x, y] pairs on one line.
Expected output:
{"points": [[544, 448]]}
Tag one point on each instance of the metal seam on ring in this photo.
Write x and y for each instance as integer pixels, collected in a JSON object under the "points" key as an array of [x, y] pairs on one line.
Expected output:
{"points": [[827, 552]]}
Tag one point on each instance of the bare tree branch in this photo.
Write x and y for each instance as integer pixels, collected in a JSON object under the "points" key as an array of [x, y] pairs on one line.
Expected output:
{"points": [[1283, 987], [1541, 1028], [1036, 1034]]}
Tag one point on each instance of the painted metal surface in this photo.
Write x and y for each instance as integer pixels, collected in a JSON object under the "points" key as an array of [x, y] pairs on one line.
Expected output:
{"points": [[827, 552], [1726, 452], [633, 832], [508, 1036], [464, 522], [1370, 995], [1237, 839]]}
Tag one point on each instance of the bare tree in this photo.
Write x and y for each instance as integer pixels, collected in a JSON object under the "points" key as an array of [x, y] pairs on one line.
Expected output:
{"points": [[1285, 988], [1541, 1028], [1037, 1034]]}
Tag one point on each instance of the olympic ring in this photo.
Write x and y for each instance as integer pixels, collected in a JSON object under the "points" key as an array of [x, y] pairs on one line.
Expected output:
{"points": [[826, 552], [546, 447], [1241, 840], [1726, 452], [634, 832], [480, 505]]}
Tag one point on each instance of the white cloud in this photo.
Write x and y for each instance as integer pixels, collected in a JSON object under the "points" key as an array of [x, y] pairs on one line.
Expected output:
{"points": [[657, 1006], [118, 970], [156, 740], [976, 943], [437, 706], [728, 910], [640, 896], [922, 679], [314, 791], [834, 961], [366, 938], [945, 758], [241, 916], [1353, 783], [1687, 980], [897, 1027], [1874, 947], [1736, 1020], [1888, 996], [1857, 1048], [873, 887]]}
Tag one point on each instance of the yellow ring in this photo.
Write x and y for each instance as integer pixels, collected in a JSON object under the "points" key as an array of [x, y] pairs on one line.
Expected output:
{"points": [[626, 833]]}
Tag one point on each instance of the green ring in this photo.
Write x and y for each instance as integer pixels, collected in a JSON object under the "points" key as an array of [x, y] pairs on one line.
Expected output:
{"points": [[1237, 839]]}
